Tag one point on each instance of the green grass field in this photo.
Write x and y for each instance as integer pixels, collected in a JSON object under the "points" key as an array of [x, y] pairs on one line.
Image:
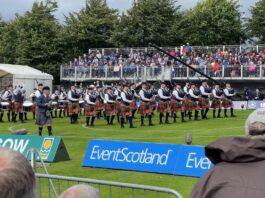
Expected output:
{"points": [[76, 138]]}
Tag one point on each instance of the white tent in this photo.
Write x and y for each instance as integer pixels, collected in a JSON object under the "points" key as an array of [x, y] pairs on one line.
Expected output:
{"points": [[23, 75]]}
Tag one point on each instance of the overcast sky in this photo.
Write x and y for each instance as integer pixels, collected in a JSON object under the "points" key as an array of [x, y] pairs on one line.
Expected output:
{"points": [[8, 8]]}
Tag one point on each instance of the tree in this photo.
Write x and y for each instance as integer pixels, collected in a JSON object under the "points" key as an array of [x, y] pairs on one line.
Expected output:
{"points": [[147, 21], [92, 27], [256, 24], [214, 22]]}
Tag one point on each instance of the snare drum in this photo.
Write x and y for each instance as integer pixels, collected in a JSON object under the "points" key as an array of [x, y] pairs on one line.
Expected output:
{"points": [[27, 105], [5, 106]]}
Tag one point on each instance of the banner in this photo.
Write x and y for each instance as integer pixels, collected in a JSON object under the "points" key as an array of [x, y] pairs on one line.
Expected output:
{"points": [[147, 157], [52, 148], [240, 105], [256, 104]]}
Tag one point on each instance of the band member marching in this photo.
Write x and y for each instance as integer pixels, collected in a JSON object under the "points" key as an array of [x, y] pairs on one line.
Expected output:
{"points": [[194, 95], [73, 106], [33, 100], [44, 116], [135, 98], [125, 110], [55, 103], [187, 101], [177, 103], [110, 106], [18, 100], [90, 106], [117, 93], [63, 105], [229, 93], [7, 98], [146, 108], [206, 91], [217, 101], [163, 104]]}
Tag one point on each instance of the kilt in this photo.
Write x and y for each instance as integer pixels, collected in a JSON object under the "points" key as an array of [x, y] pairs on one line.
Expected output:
{"points": [[133, 105], [43, 118], [195, 105], [204, 103], [33, 108], [73, 107], [176, 106], [188, 104], [153, 106], [227, 103], [145, 108], [118, 107], [163, 106], [99, 106], [216, 104], [110, 109], [90, 110], [17, 107], [125, 110]]}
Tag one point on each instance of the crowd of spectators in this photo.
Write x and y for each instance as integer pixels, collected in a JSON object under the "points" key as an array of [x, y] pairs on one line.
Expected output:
{"points": [[211, 60]]}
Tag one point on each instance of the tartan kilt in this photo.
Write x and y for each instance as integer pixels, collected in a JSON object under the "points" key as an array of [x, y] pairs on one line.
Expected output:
{"points": [[73, 107], [195, 105], [163, 106], [133, 105], [65, 108], [90, 110], [153, 106], [118, 107], [176, 106], [33, 108], [204, 103], [188, 104], [145, 108], [216, 104], [43, 118], [125, 110], [99, 106], [227, 103], [17, 107], [110, 109]]}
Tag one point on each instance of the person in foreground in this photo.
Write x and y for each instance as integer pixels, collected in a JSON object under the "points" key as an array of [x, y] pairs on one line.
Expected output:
{"points": [[17, 179], [239, 164], [81, 191]]}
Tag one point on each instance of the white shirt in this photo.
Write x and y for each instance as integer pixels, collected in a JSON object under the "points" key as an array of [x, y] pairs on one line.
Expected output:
{"points": [[116, 93], [192, 94], [161, 95], [37, 93], [107, 99], [202, 89], [141, 93], [176, 94], [87, 98], [186, 89], [5, 95], [70, 96], [123, 97], [227, 92]]}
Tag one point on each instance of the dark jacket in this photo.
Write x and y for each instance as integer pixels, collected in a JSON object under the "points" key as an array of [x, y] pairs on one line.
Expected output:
{"points": [[41, 103], [239, 170]]}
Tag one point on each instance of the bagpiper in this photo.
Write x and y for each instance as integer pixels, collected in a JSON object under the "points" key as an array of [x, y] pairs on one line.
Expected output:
{"points": [[194, 94], [90, 106], [18, 103], [73, 105], [44, 116], [217, 101], [135, 98], [117, 93], [33, 100], [146, 108], [177, 103], [163, 104], [110, 106], [125, 110], [204, 102], [229, 93], [63, 104], [7, 98]]}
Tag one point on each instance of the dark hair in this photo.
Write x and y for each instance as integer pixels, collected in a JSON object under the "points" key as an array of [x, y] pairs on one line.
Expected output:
{"points": [[46, 88], [40, 84]]}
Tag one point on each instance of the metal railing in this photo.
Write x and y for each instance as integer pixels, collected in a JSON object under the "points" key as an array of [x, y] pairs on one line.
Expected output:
{"points": [[51, 186], [107, 189], [148, 73]]}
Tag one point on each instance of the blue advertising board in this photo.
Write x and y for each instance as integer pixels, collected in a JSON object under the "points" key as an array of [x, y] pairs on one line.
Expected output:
{"points": [[256, 104], [147, 157]]}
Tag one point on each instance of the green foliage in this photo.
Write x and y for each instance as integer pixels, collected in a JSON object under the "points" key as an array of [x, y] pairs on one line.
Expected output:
{"points": [[149, 21], [92, 27], [214, 22], [256, 24]]}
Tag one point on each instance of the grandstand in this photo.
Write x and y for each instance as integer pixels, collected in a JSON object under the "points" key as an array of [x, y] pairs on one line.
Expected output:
{"points": [[237, 64]]}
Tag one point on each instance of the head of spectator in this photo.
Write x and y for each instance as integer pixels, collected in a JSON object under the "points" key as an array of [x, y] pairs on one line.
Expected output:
{"points": [[17, 179], [81, 191]]}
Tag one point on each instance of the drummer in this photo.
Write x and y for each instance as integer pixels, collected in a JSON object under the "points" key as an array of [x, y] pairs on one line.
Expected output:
{"points": [[18, 104], [7, 98], [62, 103], [24, 96], [33, 100], [55, 100]]}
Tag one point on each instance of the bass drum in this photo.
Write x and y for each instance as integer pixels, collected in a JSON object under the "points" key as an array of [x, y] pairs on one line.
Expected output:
{"points": [[27, 105], [5, 106]]}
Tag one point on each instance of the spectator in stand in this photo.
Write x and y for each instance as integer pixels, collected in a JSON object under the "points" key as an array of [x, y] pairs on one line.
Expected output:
{"points": [[80, 191], [239, 164], [17, 179]]}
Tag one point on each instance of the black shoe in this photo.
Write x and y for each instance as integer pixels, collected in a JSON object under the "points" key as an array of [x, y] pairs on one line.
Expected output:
{"points": [[233, 116], [142, 124]]}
